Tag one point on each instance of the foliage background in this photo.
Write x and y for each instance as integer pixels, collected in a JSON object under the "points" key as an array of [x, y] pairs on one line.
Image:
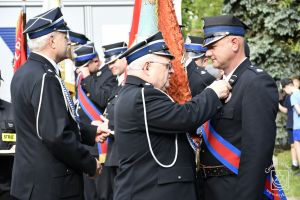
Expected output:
{"points": [[274, 34]]}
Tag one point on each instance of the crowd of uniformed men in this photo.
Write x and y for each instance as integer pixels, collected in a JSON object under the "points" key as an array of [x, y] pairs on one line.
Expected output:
{"points": [[151, 154]]}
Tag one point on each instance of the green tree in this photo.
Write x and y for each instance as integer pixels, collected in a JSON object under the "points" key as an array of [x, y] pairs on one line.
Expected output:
{"points": [[194, 10], [274, 34]]}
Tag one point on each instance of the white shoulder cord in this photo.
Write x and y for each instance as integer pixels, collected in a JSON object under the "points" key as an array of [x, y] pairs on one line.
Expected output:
{"points": [[68, 106], [149, 141], [40, 103]]}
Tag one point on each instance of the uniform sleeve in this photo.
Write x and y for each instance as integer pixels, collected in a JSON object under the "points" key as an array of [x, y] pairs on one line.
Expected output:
{"points": [[58, 131], [259, 108], [99, 93], [88, 133], [165, 116]]}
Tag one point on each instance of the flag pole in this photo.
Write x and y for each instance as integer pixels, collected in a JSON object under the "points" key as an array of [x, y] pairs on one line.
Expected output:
{"points": [[24, 6], [24, 22]]}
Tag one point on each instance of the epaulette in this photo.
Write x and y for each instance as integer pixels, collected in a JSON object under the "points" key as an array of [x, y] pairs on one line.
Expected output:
{"points": [[49, 71], [255, 69], [201, 71], [147, 85], [99, 73]]}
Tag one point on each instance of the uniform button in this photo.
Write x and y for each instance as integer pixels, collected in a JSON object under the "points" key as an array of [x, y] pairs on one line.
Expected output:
{"points": [[179, 177], [202, 151], [68, 171]]}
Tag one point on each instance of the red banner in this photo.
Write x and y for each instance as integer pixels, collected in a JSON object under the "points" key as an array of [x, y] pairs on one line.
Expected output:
{"points": [[135, 22], [20, 52], [167, 23]]}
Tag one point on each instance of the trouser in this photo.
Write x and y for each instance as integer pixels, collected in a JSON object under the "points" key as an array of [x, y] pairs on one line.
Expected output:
{"points": [[100, 188]]}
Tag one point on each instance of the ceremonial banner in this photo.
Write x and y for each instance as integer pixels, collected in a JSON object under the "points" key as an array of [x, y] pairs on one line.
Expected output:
{"points": [[20, 56], [168, 24], [151, 16]]}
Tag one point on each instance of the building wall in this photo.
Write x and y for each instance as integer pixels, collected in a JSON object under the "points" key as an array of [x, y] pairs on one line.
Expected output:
{"points": [[103, 21]]}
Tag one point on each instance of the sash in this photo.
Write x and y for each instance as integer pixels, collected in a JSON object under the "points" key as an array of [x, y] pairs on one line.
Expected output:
{"points": [[229, 156], [93, 113]]}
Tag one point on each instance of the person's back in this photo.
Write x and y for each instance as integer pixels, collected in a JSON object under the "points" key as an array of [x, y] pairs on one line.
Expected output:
{"points": [[295, 100]]}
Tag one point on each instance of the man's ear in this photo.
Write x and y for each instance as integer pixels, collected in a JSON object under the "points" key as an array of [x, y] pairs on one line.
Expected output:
{"points": [[51, 41], [235, 43], [146, 66]]}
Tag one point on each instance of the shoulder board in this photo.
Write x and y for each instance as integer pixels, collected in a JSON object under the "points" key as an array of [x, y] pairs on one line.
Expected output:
{"points": [[49, 71], [201, 71], [99, 73], [255, 69], [147, 85]]}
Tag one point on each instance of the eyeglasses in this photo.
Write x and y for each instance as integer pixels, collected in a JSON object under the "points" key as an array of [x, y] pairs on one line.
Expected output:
{"points": [[168, 65]]}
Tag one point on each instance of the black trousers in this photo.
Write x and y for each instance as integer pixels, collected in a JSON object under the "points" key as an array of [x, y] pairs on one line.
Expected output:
{"points": [[100, 188], [6, 165], [218, 188]]}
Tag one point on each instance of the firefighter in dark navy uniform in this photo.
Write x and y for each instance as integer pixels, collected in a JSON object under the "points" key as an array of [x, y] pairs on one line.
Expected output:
{"points": [[7, 147], [155, 157], [117, 67], [98, 85], [50, 159], [246, 121], [199, 77]]}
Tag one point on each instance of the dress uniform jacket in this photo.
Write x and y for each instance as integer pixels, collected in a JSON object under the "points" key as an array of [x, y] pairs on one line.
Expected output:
{"points": [[6, 117], [247, 121], [98, 88], [112, 152], [51, 167], [139, 176], [199, 78]]}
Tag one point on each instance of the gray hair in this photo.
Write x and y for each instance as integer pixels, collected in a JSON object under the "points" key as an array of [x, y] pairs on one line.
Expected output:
{"points": [[138, 64], [39, 44]]}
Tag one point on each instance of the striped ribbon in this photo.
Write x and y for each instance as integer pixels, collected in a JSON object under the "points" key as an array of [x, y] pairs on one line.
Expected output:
{"points": [[93, 113], [229, 156]]}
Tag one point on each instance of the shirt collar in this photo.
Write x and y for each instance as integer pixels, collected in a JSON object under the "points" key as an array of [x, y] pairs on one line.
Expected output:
{"points": [[51, 61], [121, 79], [134, 80], [227, 77]]}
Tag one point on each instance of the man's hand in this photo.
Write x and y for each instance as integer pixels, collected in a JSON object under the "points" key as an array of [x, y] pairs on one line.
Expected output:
{"points": [[98, 169], [221, 88], [102, 129], [84, 71]]}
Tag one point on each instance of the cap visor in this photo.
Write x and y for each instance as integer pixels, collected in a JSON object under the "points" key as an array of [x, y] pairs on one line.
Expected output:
{"points": [[112, 59], [63, 29], [198, 56], [212, 40], [164, 53]]}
